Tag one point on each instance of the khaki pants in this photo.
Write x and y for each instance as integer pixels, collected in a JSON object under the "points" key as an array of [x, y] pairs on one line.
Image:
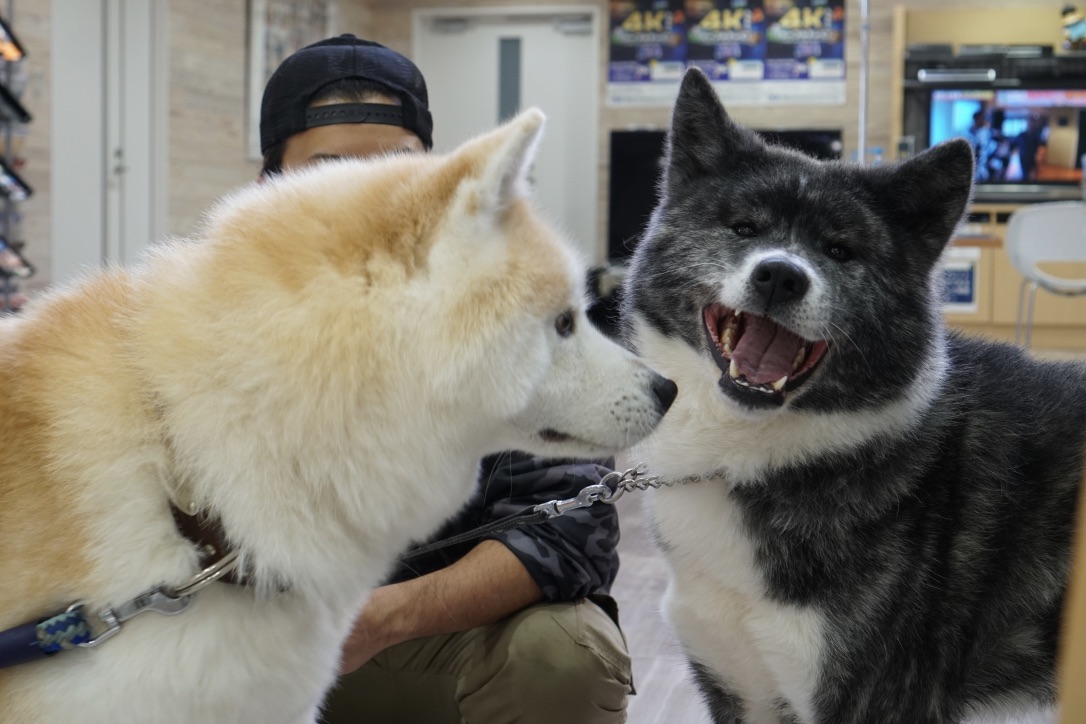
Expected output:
{"points": [[552, 662]]}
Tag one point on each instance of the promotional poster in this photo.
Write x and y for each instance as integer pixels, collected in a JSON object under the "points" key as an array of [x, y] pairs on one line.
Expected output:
{"points": [[754, 51], [726, 38], [647, 49]]}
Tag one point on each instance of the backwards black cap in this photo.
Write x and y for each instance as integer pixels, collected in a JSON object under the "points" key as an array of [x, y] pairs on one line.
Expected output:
{"points": [[285, 111]]}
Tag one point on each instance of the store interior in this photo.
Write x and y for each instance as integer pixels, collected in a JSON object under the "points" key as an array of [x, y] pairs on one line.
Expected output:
{"points": [[125, 122]]}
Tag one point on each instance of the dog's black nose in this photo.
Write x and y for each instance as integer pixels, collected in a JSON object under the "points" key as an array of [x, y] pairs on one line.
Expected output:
{"points": [[777, 281], [665, 391]]}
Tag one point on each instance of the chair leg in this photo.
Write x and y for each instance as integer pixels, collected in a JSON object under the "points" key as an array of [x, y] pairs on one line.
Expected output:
{"points": [[1029, 314], [1019, 321]]}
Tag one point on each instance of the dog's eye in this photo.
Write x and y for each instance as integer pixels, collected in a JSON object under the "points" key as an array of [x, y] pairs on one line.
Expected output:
{"points": [[745, 230], [563, 323], [838, 252]]}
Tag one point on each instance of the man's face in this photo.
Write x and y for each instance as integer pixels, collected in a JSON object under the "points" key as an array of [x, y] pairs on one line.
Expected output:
{"points": [[356, 140]]}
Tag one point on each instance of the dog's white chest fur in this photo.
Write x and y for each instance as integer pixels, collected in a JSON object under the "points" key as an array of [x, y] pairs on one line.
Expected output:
{"points": [[765, 652]]}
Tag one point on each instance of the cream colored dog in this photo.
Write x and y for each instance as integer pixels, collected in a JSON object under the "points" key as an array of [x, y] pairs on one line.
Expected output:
{"points": [[319, 372]]}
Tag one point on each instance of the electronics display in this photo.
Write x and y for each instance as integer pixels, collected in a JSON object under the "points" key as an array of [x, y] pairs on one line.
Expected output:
{"points": [[1022, 107], [1019, 136], [636, 164], [822, 144]]}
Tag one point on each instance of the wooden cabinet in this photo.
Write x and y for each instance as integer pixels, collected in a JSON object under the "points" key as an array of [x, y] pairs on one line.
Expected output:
{"points": [[965, 252]]}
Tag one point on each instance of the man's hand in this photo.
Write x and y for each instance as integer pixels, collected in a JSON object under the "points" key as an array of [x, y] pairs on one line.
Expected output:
{"points": [[362, 644], [485, 586]]}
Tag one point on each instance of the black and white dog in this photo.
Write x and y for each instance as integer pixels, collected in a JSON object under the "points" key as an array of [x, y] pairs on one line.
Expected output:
{"points": [[886, 534]]}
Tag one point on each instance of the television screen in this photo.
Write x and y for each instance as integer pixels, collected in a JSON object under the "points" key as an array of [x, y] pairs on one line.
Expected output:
{"points": [[823, 144], [1019, 136], [636, 163]]}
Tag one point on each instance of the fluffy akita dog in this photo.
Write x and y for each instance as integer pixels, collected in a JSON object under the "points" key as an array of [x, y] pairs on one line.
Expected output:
{"points": [[885, 535], [317, 372]]}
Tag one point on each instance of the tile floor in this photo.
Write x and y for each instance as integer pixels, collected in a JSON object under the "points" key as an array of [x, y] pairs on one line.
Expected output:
{"points": [[665, 693]]}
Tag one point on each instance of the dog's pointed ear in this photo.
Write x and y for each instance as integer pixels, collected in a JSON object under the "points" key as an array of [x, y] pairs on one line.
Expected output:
{"points": [[929, 193], [498, 162], [702, 135]]}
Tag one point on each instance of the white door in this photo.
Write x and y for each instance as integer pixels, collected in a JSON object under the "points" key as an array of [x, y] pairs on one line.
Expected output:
{"points": [[135, 143], [481, 66], [110, 146]]}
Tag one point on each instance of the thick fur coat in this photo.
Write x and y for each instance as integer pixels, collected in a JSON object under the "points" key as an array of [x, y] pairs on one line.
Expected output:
{"points": [[320, 370], [885, 537]]}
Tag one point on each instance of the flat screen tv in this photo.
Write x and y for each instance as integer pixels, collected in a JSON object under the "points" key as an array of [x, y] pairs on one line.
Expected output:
{"points": [[1028, 142], [636, 163]]}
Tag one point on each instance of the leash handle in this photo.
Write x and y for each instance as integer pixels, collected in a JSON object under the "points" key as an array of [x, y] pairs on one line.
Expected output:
{"points": [[20, 645], [526, 516]]}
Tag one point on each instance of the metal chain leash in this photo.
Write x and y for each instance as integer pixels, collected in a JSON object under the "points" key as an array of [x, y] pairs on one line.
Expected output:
{"points": [[635, 478]]}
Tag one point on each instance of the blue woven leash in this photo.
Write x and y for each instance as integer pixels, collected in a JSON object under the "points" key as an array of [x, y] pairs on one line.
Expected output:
{"points": [[64, 631], [69, 629], [33, 641]]}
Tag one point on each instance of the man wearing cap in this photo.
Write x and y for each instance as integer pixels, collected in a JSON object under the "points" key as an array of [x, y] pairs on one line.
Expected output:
{"points": [[517, 627]]}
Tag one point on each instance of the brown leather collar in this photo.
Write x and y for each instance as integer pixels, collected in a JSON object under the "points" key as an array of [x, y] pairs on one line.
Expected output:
{"points": [[210, 540]]}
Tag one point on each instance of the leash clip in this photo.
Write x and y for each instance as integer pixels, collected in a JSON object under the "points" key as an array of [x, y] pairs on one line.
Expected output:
{"points": [[584, 499], [157, 600], [166, 601]]}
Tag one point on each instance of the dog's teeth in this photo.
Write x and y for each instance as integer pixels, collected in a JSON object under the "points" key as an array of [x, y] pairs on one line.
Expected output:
{"points": [[800, 356], [779, 384], [733, 370], [727, 341]]}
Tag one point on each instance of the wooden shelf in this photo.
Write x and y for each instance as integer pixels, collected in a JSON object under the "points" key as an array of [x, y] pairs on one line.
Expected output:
{"points": [[984, 241]]}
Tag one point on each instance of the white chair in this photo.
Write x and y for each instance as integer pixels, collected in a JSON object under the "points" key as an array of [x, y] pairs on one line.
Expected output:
{"points": [[1040, 233]]}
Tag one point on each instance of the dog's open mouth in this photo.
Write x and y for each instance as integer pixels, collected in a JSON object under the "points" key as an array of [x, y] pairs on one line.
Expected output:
{"points": [[758, 355]]}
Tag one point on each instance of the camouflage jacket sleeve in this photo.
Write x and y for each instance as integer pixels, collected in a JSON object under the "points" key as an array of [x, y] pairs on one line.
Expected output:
{"points": [[569, 556]]}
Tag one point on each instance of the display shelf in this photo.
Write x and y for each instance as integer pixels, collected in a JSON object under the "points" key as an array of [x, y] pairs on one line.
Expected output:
{"points": [[14, 267], [11, 50], [11, 110]]}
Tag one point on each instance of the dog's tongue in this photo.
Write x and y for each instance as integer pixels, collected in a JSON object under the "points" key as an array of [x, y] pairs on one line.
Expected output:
{"points": [[765, 352]]}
